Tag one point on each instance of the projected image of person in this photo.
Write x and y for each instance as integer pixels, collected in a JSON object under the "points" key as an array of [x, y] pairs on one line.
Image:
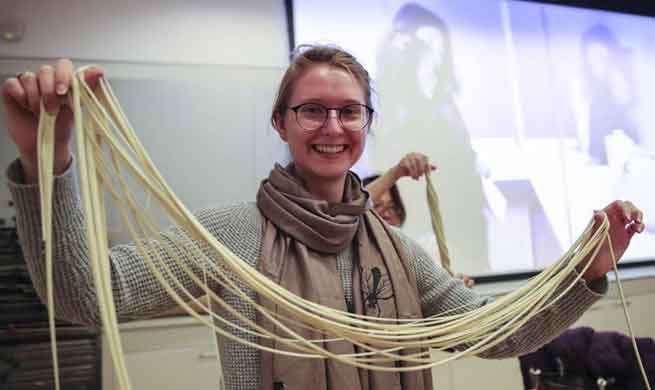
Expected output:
{"points": [[609, 84], [417, 85]]}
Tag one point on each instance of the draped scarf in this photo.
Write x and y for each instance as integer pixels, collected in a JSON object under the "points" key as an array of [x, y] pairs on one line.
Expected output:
{"points": [[302, 237]]}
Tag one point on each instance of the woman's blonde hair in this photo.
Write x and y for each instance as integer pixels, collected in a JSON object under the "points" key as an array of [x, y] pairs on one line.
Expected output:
{"points": [[306, 56]]}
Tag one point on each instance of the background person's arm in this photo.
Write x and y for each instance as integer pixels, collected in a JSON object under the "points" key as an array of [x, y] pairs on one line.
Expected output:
{"points": [[413, 165]]}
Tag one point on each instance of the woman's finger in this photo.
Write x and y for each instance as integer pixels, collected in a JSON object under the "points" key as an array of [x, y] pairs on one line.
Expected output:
{"points": [[420, 164], [634, 213], [92, 76], [411, 166], [31, 88], [636, 228], [425, 168], [617, 212], [63, 76], [403, 168], [627, 211], [14, 94], [599, 217], [46, 80], [418, 170]]}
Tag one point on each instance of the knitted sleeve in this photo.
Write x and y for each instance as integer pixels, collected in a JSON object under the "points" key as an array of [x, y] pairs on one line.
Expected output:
{"points": [[137, 293]]}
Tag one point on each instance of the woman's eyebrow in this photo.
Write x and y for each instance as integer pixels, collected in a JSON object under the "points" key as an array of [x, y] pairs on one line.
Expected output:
{"points": [[344, 102]]}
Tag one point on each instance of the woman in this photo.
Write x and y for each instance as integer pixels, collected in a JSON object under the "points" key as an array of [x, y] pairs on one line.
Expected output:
{"points": [[322, 112], [384, 192], [386, 196]]}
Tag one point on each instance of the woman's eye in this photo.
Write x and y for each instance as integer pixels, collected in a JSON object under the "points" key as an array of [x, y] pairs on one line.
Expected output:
{"points": [[312, 110]]}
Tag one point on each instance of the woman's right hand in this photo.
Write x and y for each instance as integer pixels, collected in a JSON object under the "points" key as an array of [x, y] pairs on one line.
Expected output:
{"points": [[21, 99]]}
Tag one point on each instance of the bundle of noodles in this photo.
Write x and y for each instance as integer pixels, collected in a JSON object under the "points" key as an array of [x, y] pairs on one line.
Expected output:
{"points": [[108, 149]]}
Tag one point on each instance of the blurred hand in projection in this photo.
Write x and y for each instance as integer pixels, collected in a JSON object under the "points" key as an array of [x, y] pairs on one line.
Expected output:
{"points": [[21, 101]]}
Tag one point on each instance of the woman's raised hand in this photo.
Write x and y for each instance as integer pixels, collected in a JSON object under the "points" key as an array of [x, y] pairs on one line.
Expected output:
{"points": [[21, 101], [625, 220], [413, 165]]}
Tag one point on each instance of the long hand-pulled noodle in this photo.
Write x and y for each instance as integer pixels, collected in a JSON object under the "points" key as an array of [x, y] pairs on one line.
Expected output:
{"points": [[107, 146], [437, 224]]}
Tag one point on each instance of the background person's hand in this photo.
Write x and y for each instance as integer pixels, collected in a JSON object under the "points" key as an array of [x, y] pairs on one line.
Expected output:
{"points": [[625, 220], [467, 280], [413, 165], [21, 101]]}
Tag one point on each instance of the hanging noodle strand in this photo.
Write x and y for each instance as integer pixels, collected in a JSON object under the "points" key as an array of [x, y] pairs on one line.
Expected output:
{"points": [[437, 224]]}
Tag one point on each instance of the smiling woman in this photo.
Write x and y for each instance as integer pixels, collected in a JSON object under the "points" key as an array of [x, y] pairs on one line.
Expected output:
{"points": [[323, 149], [312, 235]]}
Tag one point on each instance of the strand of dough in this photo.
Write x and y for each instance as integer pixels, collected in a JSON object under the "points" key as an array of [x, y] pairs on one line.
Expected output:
{"points": [[437, 224]]}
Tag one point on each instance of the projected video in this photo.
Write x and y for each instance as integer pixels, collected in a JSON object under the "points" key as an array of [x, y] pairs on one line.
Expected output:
{"points": [[535, 115]]}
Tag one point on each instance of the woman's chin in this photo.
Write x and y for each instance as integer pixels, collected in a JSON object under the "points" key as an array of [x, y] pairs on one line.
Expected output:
{"points": [[331, 168], [332, 172]]}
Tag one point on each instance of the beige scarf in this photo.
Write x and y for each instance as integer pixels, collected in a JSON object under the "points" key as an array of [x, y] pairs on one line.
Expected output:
{"points": [[302, 236]]}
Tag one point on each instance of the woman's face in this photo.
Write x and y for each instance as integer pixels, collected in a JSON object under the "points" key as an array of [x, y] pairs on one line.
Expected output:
{"points": [[325, 154], [388, 209]]}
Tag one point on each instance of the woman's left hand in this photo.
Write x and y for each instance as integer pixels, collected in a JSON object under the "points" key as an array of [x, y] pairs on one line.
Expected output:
{"points": [[625, 221]]}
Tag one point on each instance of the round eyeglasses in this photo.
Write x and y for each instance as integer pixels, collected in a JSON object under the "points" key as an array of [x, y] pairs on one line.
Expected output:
{"points": [[352, 117]]}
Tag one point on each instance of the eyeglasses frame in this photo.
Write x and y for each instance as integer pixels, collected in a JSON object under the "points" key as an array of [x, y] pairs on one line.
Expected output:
{"points": [[338, 110]]}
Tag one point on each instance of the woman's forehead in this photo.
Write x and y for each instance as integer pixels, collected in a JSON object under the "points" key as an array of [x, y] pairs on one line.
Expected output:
{"points": [[326, 82]]}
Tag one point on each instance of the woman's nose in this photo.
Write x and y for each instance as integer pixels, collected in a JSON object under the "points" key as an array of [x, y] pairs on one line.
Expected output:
{"points": [[332, 125]]}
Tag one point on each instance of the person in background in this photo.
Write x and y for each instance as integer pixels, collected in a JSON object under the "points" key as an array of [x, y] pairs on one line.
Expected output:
{"points": [[386, 196]]}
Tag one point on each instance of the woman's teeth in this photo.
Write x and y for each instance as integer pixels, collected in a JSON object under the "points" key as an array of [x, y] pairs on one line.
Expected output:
{"points": [[330, 149]]}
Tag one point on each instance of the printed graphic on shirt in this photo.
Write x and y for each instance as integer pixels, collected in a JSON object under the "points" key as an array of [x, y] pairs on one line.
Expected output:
{"points": [[376, 287]]}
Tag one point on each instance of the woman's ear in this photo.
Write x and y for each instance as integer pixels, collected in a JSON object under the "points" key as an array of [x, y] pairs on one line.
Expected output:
{"points": [[278, 123]]}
